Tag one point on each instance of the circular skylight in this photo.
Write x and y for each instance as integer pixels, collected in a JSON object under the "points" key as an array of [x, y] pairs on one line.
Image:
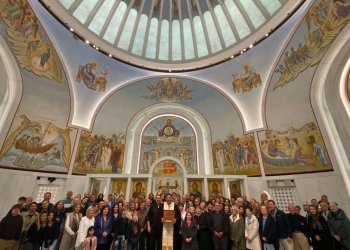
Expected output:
{"points": [[172, 34]]}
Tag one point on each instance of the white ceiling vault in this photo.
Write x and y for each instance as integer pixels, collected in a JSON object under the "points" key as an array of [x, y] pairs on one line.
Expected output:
{"points": [[86, 103], [172, 34]]}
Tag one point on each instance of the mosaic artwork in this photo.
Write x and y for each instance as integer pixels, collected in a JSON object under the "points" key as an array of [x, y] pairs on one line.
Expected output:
{"points": [[236, 155], [215, 188], [195, 188], [38, 145], [168, 90], [139, 187], [167, 176], [100, 154], [247, 80], [91, 77], [235, 189], [324, 22], [28, 42], [168, 137], [118, 188], [294, 151]]}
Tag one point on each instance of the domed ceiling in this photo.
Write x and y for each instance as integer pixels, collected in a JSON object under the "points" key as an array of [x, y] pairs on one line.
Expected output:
{"points": [[172, 34]]}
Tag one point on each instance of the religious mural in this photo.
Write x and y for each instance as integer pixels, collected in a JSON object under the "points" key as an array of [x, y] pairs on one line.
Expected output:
{"points": [[215, 189], [91, 77], [118, 188], [99, 153], [324, 22], [168, 90], [27, 40], [167, 177], [294, 151], [236, 155], [235, 189], [195, 188], [138, 187], [37, 145], [168, 137], [247, 80]]}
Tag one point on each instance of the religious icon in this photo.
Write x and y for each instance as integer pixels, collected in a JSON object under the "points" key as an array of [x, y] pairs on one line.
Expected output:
{"points": [[195, 188], [235, 189], [119, 189], [138, 188], [215, 189]]}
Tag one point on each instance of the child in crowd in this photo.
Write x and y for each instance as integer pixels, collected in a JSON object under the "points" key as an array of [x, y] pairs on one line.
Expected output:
{"points": [[134, 232], [90, 242]]}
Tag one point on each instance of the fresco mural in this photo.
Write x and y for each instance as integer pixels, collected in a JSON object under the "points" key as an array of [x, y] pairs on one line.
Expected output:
{"points": [[168, 136], [100, 153], [167, 178], [195, 188], [168, 90], [247, 80], [294, 151], [28, 41], [39, 145], [215, 189], [324, 22], [138, 187], [118, 188], [235, 189], [236, 155], [90, 76]]}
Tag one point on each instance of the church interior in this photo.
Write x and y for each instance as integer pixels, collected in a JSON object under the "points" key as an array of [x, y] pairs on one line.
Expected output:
{"points": [[216, 97]]}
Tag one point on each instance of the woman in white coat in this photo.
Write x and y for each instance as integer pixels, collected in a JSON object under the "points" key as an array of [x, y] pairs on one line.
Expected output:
{"points": [[252, 230], [85, 223]]}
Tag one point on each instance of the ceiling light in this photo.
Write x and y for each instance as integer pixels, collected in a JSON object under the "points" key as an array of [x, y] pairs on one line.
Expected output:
{"points": [[251, 46], [169, 70], [94, 46], [97, 48], [244, 50], [110, 55], [232, 56], [87, 42], [267, 34], [241, 52], [71, 29]]}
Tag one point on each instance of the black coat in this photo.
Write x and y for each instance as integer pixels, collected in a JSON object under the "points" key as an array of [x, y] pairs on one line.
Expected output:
{"points": [[204, 235], [269, 231], [189, 232], [284, 229], [225, 223], [322, 230]]}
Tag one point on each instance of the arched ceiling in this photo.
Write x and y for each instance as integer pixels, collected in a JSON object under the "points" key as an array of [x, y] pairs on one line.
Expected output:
{"points": [[172, 34]]}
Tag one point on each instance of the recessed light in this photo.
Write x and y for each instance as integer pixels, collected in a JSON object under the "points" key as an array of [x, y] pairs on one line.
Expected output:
{"points": [[87, 42], [251, 46], [110, 55], [71, 29]]}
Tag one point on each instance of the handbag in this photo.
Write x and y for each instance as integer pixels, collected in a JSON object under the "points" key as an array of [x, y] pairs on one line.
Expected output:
{"points": [[268, 247]]}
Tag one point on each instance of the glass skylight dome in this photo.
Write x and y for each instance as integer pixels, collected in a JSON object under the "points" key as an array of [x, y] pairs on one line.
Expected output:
{"points": [[172, 34]]}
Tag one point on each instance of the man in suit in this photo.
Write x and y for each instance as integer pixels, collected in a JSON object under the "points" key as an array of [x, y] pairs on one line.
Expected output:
{"points": [[219, 226], [155, 225]]}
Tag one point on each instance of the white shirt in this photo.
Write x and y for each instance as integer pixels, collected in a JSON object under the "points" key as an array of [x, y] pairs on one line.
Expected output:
{"points": [[84, 225]]}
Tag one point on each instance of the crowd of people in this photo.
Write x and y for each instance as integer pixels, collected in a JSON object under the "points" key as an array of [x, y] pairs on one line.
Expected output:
{"points": [[90, 221]]}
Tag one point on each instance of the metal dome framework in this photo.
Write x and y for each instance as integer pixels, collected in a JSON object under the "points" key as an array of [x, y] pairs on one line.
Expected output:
{"points": [[172, 34]]}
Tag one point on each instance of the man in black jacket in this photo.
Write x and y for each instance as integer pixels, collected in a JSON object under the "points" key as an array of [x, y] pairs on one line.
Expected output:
{"points": [[284, 230], [11, 228], [155, 225], [299, 229], [219, 227]]}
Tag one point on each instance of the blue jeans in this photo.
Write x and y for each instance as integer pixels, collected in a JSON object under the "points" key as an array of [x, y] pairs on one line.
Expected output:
{"points": [[133, 247], [120, 239], [52, 247]]}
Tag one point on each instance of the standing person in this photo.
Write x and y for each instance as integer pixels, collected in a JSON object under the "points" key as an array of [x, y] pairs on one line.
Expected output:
{"points": [[37, 232], [339, 226], [319, 231], [284, 230], [267, 230], [251, 230], [68, 200], [60, 216], [49, 206], [171, 230], [134, 231], [155, 225], [103, 228], [90, 242], [120, 230], [85, 223], [189, 233], [71, 228], [30, 219], [11, 228], [50, 232], [299, 229], [219, 227], [237, 226], [203, 234], [142, 220]]}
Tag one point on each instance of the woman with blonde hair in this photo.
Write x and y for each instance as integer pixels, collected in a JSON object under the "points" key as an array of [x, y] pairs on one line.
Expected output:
{"points": [[85, 223], [71, 229], [237, 225]]}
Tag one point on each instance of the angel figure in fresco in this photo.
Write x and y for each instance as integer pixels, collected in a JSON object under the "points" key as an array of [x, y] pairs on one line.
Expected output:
{"points": [[26, 41], [37, 144]]}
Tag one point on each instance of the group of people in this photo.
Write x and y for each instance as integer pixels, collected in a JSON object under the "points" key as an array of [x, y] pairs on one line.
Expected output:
{"points": [[90, 221]]}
